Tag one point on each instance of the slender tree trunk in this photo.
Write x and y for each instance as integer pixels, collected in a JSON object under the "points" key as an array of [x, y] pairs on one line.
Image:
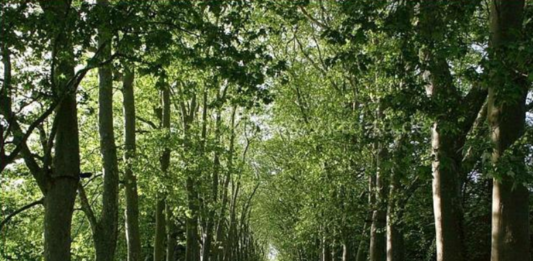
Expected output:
{"points": [[326, 249], [61, 193], [394, 235], [160, 230], [506, 105], [192, 252], [378, 246], [207, 251], [106, 230], [133, 237], [172, 241], [161, 233], [222, 238]]}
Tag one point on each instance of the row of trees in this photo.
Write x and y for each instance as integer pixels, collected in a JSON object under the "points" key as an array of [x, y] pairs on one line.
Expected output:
{"points": [[163, 91], [266, 130], [399, 132]]}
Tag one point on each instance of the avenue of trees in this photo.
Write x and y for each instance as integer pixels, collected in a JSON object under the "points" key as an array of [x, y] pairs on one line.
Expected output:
{"points": [[306, 130]]}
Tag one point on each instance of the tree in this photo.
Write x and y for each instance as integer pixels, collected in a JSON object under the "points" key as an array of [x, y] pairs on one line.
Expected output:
{"points": [[506, 110]]}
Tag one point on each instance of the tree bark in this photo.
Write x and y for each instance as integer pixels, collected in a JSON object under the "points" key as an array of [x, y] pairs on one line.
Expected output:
{"points": [[448, 138], [192, 252], [161, 233], [208, 253], [107, 228], [133, 238], [394, 234], [172, 233], [506, 111], [160, 230], [378, 236], [61, 193], [378, 245]]}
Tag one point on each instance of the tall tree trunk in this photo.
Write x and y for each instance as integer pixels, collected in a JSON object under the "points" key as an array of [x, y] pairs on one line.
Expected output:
{"points": [[160, 229], [161, 233], [61, 193], [326, 249], [192, 252], [221, 237], [172, 233], [378, 246], [448, 136], [131, 214], [106, 230], [506, 105], [208, 253], [394, 235]]}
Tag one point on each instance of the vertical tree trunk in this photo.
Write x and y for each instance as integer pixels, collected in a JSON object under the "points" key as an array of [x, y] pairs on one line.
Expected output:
{"points": [[161, 233], [448, 136], [326, 249], [207, 251], [61, 194], [106, 230], [172, 233], [378, 246], [160, 230], [133, 237], [506, 105], [361, 250], [394, 235], [192, 251], [221, 236]]}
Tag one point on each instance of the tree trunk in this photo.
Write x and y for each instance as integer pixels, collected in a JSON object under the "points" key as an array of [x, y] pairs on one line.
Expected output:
{"points": [[133, 237], [510, 221], [395, 246], [394, 235], [160, 230], [161, 233], [61, 193], [207, 252], [326, 249], [378, 246], [106, 231], [192, 252], [172, 233]]}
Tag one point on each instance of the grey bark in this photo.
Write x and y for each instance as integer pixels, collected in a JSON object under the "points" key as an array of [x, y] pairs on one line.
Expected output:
{"points": [[172, 233], [506, 114], [448, 138], [133, 238], [161, 233], [160, 230], [61, 192], [105, 233], [378, 245]]}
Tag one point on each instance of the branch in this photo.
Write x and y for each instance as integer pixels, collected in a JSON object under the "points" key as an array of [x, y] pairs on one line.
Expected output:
{"points": [[71, 87], [324, 26], [149, 122], [471, 105], [18, 211], [86, 207]]}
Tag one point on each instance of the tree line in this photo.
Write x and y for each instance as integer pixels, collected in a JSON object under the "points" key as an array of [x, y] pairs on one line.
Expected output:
{"points": [[266, 130]]}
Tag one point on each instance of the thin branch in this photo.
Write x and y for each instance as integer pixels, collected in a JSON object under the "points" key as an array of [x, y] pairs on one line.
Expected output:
{"points": [[20, 210], [149, 122], [312, 19], [86, 207]]}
